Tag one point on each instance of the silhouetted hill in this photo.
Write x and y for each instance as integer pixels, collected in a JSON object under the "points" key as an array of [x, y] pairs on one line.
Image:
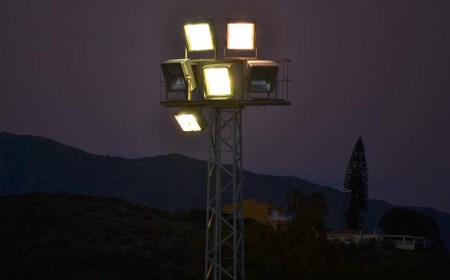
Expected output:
{"points": [[171, 182], [35, 164], [67, 236]]}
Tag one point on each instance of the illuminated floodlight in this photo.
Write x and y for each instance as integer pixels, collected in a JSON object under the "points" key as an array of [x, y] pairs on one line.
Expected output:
{"points": [[178, 75], [191, 119], [262, 75], [218, 81], [241, 35], [199, 36]]}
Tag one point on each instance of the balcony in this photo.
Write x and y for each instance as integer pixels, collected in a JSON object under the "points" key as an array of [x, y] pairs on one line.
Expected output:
{"points": [[278, 218]]}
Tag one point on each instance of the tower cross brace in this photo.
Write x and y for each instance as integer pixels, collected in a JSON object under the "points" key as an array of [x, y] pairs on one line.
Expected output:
{"points": [[224, 244]]}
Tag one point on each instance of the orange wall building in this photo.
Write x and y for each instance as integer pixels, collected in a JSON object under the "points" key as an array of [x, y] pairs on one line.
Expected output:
{"points": [[261, 212]]}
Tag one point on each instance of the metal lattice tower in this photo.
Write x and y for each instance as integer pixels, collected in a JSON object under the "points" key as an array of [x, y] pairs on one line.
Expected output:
{"points": [[224, 253], [266, 86]]}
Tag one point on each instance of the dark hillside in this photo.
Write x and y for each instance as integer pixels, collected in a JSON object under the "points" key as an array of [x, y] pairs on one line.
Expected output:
{"points": [[35, 164], [170, 182], [63, 236]]}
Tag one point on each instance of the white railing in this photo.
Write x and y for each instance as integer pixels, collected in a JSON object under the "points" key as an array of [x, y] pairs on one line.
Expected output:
{"points": [[278, 218]]}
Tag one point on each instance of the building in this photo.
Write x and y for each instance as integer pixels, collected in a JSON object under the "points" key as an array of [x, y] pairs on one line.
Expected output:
{"points": [[349, 236], [261, 212], [404, 242]]}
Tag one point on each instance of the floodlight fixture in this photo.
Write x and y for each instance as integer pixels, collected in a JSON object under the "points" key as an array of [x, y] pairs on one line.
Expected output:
{"points": [[262, 75], [191, 119], [178, 75], [200, 35], [218, 82], [241, 34]]}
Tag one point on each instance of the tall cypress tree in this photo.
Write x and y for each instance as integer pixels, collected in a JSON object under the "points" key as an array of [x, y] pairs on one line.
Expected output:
{"points": [[355, 187]]}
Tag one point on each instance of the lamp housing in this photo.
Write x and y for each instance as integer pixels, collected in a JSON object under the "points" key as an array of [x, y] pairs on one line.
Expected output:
{"points": [[178, 75], [262, 76]]}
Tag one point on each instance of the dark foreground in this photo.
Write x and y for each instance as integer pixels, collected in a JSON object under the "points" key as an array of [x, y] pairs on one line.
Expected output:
{"points": [[63, 236]]}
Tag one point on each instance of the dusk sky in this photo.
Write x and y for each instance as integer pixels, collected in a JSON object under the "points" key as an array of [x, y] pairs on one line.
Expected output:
{"points": [[86, 73]]}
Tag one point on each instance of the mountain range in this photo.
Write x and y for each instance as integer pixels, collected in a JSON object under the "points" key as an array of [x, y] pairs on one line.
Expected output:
{"points": [[170, 182]]}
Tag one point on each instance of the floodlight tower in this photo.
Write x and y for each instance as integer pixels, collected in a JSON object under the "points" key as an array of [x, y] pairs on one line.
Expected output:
{"points": [[222, 88]]}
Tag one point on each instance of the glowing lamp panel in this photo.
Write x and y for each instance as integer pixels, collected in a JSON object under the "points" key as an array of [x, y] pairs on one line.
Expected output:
{"points": [[199, 37], [218, 83], [241, 36], [188, 122]]}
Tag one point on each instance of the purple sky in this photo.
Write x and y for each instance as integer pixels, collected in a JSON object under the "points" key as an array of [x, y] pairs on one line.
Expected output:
{"points": [[86, 73]]}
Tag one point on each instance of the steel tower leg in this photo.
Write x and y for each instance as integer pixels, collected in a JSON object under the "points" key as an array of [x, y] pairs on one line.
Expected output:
{"points": [[224, 248]]}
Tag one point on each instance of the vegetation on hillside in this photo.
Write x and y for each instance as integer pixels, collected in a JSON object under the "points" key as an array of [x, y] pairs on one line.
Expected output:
{"points": [[298, 252], [66, 236], [310, 211], [410, 222]]}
